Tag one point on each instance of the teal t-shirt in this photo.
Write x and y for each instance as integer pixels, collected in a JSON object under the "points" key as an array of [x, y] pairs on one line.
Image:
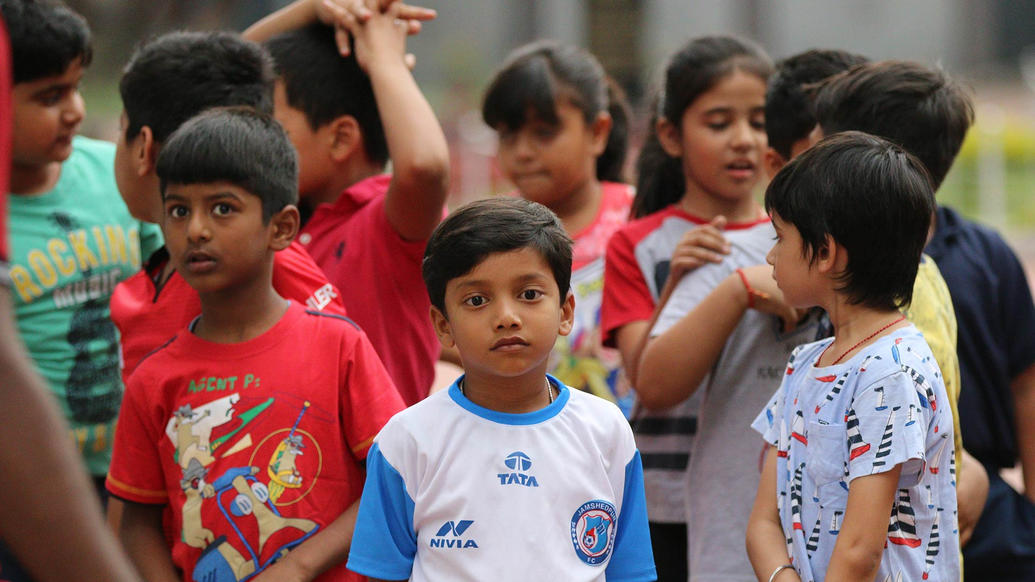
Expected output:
{"points": [[69, 247]]}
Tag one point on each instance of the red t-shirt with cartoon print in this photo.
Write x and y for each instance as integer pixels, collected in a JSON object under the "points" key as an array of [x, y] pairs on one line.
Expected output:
{"points": [[256, 446]]}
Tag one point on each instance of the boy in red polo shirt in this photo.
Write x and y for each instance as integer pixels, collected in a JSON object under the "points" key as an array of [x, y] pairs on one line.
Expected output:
{"points": [[252, 424], [167, 81], [346, 116]]}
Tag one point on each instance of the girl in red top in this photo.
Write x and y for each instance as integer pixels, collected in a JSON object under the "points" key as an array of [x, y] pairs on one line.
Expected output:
{"points": [[563, 128]]}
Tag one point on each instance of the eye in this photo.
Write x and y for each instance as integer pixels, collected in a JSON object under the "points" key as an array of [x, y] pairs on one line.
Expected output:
{"points": [[50, 98], [476, 301], [718, 125], [545, 132], [177, 211], [531, 294], [222, 209]]}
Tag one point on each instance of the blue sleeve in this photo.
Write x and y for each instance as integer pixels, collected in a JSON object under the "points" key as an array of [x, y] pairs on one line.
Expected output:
{"points": [[384, 543], [632, 558]]}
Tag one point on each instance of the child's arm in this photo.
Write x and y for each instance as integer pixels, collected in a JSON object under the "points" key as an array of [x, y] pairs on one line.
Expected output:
{"points": [[314, 556], [416, 144], [1023, 386], [141, 534], [304, 12], [766, 544], [860, 545], [669, 372]]}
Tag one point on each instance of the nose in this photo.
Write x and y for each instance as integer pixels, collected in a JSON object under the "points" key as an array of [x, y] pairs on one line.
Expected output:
{"points": [[75, 109], [523, 146], [769, 256], [743, 135], [198, 228], [507, 316]]}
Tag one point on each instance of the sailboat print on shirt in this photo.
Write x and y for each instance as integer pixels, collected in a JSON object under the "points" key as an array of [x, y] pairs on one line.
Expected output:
{"points": [[813, 542], [923, 387], [796, 498], [835, 390], [884, 449], [798, 429], [939, 457], [933, 545], [911, 417], [898, 578], [855, 441], [835, 523], [902, 527], [880, 398]]}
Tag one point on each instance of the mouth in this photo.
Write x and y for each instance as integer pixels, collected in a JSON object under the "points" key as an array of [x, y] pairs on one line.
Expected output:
{"points": [[741, 169], [199, 262], [509, 344]]}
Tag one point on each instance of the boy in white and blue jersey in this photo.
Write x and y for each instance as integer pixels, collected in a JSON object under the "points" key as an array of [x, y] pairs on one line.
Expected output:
{"points": [[509, 474]]}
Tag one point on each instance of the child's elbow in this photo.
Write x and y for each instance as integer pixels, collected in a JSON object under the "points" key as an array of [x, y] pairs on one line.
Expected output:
{"points": [[429, 173], [862, 560]]}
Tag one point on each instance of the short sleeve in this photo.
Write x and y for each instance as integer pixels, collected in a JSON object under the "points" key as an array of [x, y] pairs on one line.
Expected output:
{"points": [[371, 397], [135, 473], [632, 558], [766, 421], [893, 421], [627, 297], [297, 277], [384, 542]]}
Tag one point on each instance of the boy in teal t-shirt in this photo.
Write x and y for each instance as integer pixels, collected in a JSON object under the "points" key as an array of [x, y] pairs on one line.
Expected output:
{"points": [[72, 238]]}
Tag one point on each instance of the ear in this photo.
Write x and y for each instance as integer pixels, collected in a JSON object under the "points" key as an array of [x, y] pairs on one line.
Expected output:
{"points": [[567, 314], [773, 162], [831, 258], [443, 329], [284, 226], [670, 137], [601, 131], [344, 138], [145, 152]]}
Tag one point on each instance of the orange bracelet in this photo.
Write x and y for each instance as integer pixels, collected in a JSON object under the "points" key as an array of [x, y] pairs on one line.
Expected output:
{"points": [[747, 287]]}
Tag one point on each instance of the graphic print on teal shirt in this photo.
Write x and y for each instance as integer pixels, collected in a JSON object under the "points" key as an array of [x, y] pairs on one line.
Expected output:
{"points": [[70, 247]]}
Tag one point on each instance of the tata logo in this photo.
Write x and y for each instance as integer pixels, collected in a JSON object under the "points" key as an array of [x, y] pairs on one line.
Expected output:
{"points": [[449, 535], [518, 463]]}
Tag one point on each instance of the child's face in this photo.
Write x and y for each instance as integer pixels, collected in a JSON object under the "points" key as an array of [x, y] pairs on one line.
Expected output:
{"points": [[548, 163], [504, 316], [215, 235], [47, 114], [313, 146], [792, 270], [722, 139]]}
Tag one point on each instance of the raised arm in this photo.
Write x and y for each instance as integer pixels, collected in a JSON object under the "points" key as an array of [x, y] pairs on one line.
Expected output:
{"points": [[416, 144], [304, 12]]}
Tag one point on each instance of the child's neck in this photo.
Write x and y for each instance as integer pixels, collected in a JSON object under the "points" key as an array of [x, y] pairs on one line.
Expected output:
{"points": [[580, 209], [707, 207], [527, 393], [350, 174], [855, 327], [34, 179], [239, 315]]}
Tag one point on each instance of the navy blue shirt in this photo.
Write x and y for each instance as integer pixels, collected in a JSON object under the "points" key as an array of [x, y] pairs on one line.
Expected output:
{"points": [[996, 340]]}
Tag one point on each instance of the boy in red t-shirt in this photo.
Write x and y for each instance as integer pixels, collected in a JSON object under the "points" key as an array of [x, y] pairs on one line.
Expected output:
{"points": [[346, 116], [253, 423], [167, 81]]}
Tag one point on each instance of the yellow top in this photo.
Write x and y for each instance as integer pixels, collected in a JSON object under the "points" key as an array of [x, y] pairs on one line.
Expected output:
{"points": [[931, 312]]}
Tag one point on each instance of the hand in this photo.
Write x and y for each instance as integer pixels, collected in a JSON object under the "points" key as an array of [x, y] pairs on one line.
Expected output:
{"points": [[702, 245], [342, 13], [763, 294]]}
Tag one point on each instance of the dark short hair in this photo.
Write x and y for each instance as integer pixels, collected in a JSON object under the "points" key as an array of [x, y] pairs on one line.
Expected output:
{"points": [[692, 71], [788, 101], [238, 145], [536, 76], [171, 78], [873, 198], [494, 225], [918, 107], [46, 37], [324, 86]]}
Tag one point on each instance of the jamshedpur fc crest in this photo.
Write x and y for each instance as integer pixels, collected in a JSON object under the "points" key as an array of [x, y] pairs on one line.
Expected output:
{"points": [[592, 531]]}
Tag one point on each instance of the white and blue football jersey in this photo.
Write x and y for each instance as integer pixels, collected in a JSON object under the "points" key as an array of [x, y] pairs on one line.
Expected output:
{"points": [[455, 491]]}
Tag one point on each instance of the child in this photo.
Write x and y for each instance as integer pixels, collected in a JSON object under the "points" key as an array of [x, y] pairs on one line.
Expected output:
{"points": [[699, 222], [928, 114], [260, 462], [167, 81], [510, 474], [792, 127], [858, 425], [551, 107], [347, 116], [71, 237]]}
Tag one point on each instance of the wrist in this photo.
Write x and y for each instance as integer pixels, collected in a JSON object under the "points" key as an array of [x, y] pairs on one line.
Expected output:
{"points": [[779, 571]]}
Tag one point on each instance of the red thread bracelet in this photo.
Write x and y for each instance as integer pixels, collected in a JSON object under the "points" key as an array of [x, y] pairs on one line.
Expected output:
{"points": [[747, 287]]}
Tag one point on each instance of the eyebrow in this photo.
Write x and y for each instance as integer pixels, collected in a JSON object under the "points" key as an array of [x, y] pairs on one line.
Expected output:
{"points": [[526, 278], [216, 196]]}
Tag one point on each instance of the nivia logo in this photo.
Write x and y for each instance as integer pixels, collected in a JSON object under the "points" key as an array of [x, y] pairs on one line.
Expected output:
{"points": [[518, 463], [449, 535]]}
